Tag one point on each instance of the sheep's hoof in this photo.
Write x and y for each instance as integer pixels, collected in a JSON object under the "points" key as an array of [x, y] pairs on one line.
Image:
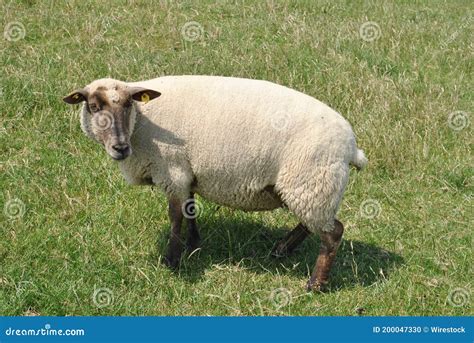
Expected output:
{"points": [[193, 245], [171, 262], [316, 286], [280, 250]]}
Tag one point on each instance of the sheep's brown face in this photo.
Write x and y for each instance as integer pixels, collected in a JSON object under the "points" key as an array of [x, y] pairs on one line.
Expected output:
{"points": [[108, 115]]}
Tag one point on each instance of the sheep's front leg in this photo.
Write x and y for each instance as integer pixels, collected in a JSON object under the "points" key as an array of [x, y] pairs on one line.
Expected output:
{"points": [[292, 240], [175, 245], [330, 242]]}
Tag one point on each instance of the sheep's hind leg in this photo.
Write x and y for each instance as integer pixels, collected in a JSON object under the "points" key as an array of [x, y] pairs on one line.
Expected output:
{"points": [[175, 245], [291, 241], [193, 239], [330, 242]]}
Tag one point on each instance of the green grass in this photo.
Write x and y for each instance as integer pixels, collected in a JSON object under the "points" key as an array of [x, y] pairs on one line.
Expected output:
{"points": [[83, 229]]}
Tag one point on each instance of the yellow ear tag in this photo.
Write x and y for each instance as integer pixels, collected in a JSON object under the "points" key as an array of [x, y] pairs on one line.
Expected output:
{"points": [[145, 97], [75, 96]]}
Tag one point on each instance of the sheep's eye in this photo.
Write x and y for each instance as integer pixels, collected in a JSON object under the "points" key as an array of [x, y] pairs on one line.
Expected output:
{"points": [[94, 108]]}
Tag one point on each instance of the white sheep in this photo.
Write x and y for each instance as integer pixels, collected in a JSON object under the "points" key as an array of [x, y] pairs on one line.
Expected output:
{"points": [[247, 144]]}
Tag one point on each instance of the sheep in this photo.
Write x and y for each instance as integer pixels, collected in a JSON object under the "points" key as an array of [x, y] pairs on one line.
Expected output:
{"points": [[247, 144]]}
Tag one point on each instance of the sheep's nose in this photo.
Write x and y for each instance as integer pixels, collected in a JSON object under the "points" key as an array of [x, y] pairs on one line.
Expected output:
{"points": [[121, 148]]}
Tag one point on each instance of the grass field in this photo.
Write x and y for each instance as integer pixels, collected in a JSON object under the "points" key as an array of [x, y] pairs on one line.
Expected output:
{"points": [[75, 239]]}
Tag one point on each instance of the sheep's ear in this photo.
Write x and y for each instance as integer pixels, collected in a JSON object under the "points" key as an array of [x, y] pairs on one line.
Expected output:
{"points": [[76, 97], [143, 94]]}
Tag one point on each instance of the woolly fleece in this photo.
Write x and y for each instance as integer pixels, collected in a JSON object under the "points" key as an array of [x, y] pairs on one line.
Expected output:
{"points": [[247, 144]]}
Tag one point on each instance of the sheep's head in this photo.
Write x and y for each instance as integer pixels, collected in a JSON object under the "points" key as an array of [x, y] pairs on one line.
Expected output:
{"points": [[109, 112]]}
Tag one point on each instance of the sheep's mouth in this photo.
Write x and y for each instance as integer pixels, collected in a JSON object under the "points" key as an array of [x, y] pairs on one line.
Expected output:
{"points": [[120, 155]]}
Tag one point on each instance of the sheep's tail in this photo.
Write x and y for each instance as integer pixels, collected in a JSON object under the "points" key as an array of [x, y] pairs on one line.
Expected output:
{"points": [[359, 160]]}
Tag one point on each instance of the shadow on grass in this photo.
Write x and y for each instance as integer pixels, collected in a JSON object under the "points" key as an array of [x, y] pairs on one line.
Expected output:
{"points": [[248, 244]]}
